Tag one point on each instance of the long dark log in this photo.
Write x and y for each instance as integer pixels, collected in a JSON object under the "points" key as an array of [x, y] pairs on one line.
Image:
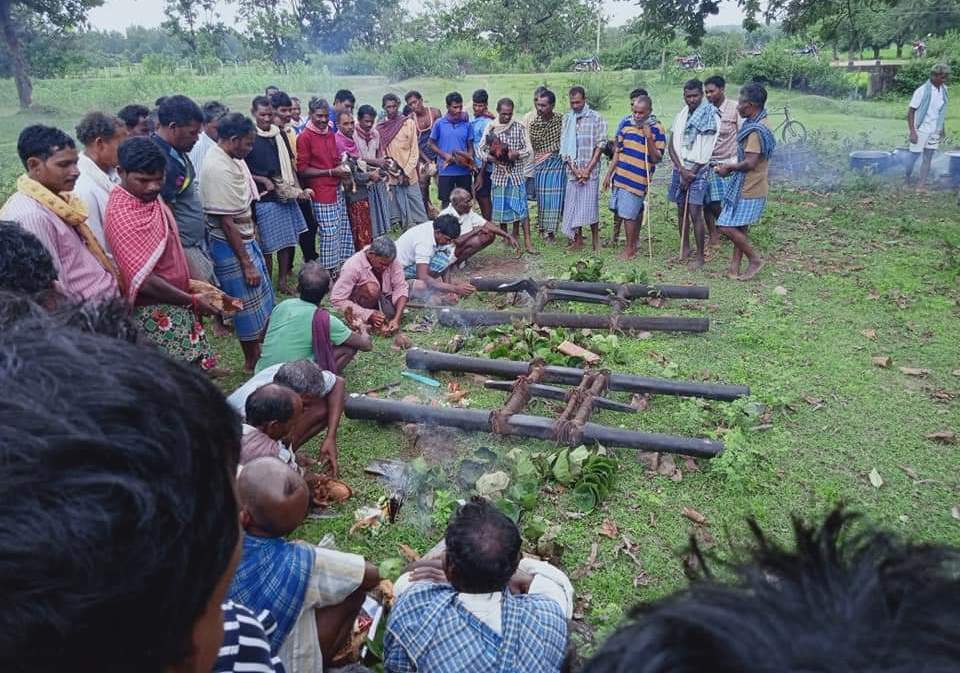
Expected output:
{"points": [[632, 290], [557, 393], [418, 358], [452, 317], [478, 420]]}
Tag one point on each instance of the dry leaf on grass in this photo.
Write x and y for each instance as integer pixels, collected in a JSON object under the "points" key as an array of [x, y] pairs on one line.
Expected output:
{"points": [[667, 465], [914, 371], [695, 516], [640, 401], [409, 553], [870, 334], [882, 361], [656, 302], [589, 565], [690, 463], [942, 437], [641, 579], [956, 372], [875, 478], [780, 290], [955, 512], [609, 529]]}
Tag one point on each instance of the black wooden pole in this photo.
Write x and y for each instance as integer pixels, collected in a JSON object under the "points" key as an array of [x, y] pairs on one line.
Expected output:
{"points": [[631, 290], [509, 369], [452, 317], [361, 407]]}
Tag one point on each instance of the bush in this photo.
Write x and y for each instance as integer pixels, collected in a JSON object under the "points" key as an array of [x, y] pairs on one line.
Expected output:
{"points": [[777, 67], [352, 62]]}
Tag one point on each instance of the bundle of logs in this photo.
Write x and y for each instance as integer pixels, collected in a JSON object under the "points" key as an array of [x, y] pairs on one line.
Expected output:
{"points": [[616, 295], [572, 427]]}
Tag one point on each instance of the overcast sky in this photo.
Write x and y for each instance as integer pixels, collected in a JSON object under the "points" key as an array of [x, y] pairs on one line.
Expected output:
{"points": [[119, 14]]}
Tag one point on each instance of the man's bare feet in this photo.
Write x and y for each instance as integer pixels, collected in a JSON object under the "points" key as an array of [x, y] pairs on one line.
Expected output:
{"points": [[530, 250], [627, 254], [219, 372], [714, 241], [576, 245], [752, 270], [695, 263], [551, 237], [284, 288]]}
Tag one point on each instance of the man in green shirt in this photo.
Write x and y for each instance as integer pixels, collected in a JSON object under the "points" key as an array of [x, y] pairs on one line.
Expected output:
{"points": [[298, 328]]}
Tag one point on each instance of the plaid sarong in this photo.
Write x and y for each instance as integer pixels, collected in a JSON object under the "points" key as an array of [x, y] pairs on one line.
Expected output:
{"points": [[379, 208], [745, 213], [273, 575], [677, 193], [716, 186], [509, 202], [333, 232], [581, 204], [279, 225], [257, 301], [549, 177], [439, 262]]}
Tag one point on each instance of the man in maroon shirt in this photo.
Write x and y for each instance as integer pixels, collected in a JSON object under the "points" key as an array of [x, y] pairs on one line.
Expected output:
{"points": [[320, 169]]}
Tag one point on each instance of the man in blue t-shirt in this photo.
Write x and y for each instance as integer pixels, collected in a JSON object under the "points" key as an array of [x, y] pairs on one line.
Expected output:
{"points": [[451, 139]]}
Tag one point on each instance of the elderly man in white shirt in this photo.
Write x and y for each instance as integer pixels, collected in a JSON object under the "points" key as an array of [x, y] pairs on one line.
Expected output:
{"points": [[692, 139], [101, 135], [925, 120], [476, 233]]}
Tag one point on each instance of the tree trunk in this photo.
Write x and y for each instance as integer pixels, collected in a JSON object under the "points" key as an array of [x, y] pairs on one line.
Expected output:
{"points": [[17, 62]]}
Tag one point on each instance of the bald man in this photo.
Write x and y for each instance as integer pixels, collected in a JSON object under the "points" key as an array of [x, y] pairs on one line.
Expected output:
{"points": [[271, 413], [315, 594], [476, 233]]}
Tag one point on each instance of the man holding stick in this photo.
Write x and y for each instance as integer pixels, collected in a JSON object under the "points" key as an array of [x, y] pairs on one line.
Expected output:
{"points": [[639, 147], [692, 138]]}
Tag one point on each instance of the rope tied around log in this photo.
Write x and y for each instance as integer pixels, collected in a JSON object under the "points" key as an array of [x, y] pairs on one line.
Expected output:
{"points": [[518, 399]]}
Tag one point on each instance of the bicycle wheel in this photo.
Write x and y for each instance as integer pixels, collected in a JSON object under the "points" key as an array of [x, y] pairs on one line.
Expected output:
{"points": [[793, 132]]}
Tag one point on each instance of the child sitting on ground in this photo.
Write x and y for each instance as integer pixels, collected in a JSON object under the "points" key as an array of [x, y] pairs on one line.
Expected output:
{"points": [[315, 594]]}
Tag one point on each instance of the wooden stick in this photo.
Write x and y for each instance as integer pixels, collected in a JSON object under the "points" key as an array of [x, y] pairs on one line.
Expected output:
{"points": [[683, 227], [645, 219]]}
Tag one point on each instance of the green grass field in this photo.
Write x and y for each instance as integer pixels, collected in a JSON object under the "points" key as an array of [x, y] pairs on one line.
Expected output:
{"points": [[852, 274]]}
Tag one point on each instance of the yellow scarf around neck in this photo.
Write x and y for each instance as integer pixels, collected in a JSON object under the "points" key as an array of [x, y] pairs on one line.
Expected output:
{"points": [[72, 210]]}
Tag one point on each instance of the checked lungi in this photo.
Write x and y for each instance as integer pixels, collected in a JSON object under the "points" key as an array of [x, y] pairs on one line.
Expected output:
{"points": [[441, 259], [279, 225], [549, 177], [333, 233], [379, 208], [694, 194], [581, 204], [509, 202], [716, 186], [257, 300], [745, 213]]}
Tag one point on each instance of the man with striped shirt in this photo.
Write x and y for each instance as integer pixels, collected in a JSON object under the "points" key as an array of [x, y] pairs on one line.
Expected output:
{"points": [[639, 147]]}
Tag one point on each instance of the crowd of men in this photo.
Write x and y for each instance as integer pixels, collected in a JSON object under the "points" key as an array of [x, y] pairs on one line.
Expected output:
{"points": [[124, 551], [181, 210]]}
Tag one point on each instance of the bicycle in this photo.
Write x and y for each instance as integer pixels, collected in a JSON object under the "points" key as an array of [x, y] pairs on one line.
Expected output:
{"points": [[791, 130]]}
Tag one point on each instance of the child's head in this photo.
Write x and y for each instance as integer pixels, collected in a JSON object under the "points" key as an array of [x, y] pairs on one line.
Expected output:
{"points": [[273, 498], [274, 410]]}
